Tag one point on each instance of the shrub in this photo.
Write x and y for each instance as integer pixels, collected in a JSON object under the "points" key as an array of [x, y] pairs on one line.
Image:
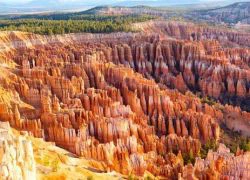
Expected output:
{"points": [[208, 101], [211, 144], [90, 178], [189, 158], [244, 144]]}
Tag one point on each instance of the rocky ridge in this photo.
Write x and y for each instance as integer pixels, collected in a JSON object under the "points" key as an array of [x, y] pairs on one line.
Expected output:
{"points": [[233, 13]]}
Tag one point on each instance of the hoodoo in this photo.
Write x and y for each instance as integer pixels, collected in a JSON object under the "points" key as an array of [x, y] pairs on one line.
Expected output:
{"points": [[167, 101]]}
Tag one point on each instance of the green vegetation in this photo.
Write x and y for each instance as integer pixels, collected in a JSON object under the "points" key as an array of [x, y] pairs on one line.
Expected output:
{"points": [[244, 144], [188, 158], [209, 145], [208, 101], [234, 140], [132, 177], [83, 23]]}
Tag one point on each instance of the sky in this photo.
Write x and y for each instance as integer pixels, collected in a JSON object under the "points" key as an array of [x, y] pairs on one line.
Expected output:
{"points": [[25, 1], [23, 6]]}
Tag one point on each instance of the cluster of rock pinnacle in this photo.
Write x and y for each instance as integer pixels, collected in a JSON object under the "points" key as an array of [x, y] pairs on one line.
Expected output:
{"points": [[130, 100]]}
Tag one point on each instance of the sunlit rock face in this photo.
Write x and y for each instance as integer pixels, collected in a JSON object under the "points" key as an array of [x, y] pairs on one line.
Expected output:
{"points": [[16, 155], [124, 99], [220, 164], [195, 32]]}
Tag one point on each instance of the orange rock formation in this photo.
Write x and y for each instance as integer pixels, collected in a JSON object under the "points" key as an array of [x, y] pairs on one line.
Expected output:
{"points": [[124, 99]]}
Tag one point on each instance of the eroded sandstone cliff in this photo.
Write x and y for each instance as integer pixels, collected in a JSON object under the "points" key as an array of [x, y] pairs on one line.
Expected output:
{"points": [[219, 165], [16, 156], [124, 99]]}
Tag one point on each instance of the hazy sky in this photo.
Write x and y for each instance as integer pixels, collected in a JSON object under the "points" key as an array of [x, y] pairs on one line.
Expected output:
{"points": [[25, 1]]}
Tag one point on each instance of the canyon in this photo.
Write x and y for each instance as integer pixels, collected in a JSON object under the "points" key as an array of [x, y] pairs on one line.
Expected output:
{"points": [[131, 103]]}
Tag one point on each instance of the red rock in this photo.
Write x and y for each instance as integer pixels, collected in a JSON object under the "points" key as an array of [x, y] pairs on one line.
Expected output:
{"points": [[108, 97]]}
